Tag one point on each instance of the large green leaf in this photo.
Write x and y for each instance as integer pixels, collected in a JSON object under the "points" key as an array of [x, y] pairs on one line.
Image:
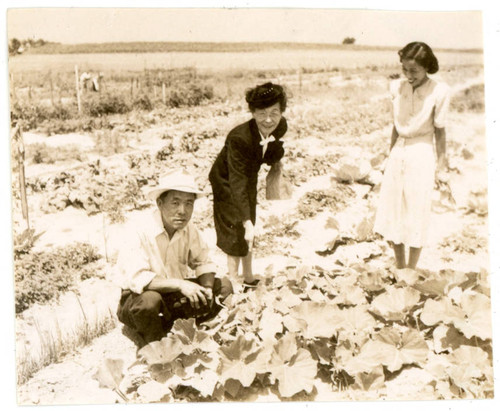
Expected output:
{"points": [[192, 338], [447, 337], [390, 348], [395, 303], [351, 295], [409, 347], [240, 348], [472, 315], [316, 319], [369, 381], [238, 360], [110, 373], [440, 311], [294, 368], [364, 229], [432, 287], [406, 276], [372, 280], [352, 170], [370, 356], [271, 323], [281, 300], [204, 381], [294, 324], [476, 319], [316, 295], [163, 351], [286, 347], [357, 253], [322, 350], [356, 323], [468, 363]]}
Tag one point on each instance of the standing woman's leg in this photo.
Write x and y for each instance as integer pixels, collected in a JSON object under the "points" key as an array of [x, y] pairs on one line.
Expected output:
{"points": [[247, 268], [399, 254], [414, 256], [233, 264]]}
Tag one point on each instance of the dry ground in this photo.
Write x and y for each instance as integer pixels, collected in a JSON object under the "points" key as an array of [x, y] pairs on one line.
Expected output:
{"points": [[71, 380]]}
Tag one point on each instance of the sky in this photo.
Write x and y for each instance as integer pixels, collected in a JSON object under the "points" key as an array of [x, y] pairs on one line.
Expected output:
{"points": [[441, 29]]}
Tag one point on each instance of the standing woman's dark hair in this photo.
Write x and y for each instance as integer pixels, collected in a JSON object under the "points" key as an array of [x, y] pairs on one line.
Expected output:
{"points": [[422, 54], [265, 95]]}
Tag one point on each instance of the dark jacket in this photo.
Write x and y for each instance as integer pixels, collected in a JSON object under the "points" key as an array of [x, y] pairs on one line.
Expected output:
{"points": [[234, 173]]}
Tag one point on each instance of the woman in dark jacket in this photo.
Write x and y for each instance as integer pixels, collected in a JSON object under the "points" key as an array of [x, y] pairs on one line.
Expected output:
{"points": [[234, 175]]}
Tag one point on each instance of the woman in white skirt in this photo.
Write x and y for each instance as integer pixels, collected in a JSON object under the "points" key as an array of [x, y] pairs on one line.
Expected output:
{"points": [[420, 105]]}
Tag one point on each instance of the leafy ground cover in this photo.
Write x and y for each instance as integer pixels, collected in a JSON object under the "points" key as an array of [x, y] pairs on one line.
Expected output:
{"points": [[42, 276], [306, 331], [331, 320]]}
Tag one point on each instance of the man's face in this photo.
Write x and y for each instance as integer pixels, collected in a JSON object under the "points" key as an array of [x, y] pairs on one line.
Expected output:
{"points": [[176, 209]]}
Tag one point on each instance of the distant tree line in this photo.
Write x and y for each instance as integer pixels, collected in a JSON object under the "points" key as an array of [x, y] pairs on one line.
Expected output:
{"points": [[17, 46], [349, 40]]}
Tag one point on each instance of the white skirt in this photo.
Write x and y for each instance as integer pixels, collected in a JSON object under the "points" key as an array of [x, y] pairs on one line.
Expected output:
{"points": [[404, 207]]}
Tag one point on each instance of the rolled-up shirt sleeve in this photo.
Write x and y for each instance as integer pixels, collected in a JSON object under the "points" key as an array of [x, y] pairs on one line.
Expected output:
{"points": [[199, 255], [133, 265], [442, 106]]}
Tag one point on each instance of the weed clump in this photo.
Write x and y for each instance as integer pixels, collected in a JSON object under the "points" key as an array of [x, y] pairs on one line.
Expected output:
{"points": [[105, 104], [42, 276], [470, 99], [190, 94], [316, 201]]}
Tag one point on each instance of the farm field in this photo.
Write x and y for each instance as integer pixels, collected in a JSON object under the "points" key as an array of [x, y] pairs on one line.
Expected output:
{"points": [[332, 319], [260, 60]]}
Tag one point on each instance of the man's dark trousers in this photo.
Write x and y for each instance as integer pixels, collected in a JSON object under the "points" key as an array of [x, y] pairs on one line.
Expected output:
{"points": [[152, 314]]}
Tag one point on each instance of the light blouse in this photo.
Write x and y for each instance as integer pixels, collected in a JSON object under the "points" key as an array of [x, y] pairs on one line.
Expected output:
{"points": [[418, 111]]}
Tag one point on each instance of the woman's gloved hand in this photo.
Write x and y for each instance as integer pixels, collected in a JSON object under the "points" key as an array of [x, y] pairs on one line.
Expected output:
{"points": [[249, 233]]}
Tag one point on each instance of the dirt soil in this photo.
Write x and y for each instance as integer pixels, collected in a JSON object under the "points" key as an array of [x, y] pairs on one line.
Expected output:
{"points": [[71, 380]]}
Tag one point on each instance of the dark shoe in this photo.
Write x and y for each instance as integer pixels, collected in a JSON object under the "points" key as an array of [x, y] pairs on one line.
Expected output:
{"points": [[250, 286]]}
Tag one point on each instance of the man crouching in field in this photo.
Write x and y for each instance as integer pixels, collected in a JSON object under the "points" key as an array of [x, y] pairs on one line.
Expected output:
{"points": [[153, 265]]}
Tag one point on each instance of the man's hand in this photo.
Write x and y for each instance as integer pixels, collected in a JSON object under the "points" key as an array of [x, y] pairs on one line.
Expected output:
{"points": [[196, 294], [249, 234]]}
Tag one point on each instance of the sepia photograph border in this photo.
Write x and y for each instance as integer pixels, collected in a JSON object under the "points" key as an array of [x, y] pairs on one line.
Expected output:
{"points": [[491, 31]]}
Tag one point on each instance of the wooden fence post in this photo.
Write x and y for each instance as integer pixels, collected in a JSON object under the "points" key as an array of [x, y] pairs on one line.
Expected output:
{"points": [[77, 81], [17, 137], [164, 93], [51, 89]]}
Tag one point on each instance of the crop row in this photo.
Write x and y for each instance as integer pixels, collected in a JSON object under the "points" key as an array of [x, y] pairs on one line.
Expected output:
{"points": [[306, 334]]}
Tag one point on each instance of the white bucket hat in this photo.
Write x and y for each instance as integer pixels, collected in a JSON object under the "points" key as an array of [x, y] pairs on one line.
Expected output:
{"points": [[179, 180]]}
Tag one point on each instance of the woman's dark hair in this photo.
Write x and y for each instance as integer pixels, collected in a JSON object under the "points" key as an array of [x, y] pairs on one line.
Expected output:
{"points": [[265, 95], [422, 54]]}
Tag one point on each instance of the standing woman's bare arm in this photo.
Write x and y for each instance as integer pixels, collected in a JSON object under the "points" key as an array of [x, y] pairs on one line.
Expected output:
{"points": [[394, 137], [440, 136]]}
